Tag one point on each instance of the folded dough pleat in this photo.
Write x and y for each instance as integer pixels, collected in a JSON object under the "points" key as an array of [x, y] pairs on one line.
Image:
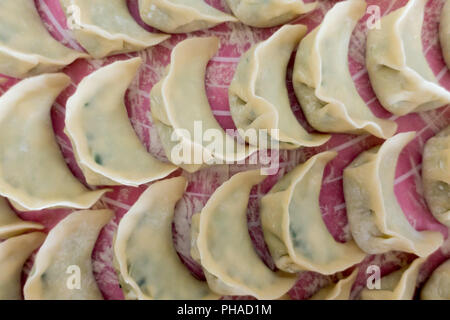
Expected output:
{"points": [[322, 80], [11, 225], [438, 286], [258, 94], [398, 285], [106, 27], [222, 244], [107, 148], [181, 16], [33, 173], [14, 252], [145, 257], [26, 47], [436, 175], [444, 32], [294, 230], [268, 13], [377, 221], [181, 111], [338, 291], [68, 248], [398, 69]]}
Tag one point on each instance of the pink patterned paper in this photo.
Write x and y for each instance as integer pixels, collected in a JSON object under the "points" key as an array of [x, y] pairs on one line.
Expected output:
{"points": [[235, 40]]}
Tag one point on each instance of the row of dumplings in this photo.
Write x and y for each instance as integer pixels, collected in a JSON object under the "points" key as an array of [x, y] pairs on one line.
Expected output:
{"points": [[298, 240], [109, 152], [106, 27]]}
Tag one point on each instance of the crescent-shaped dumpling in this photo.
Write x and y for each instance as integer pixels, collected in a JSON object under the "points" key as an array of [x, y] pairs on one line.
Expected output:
{"points": [[26, 47], [146, 260], [180, 109], [33, 173], [10, 224], [436, 175], [68, 248], [444, 32], [294, 230], [268, 13], [107, 148], [14, 253], [258, 94], [377, 221], [322, 80], [338, 291], [398, 285], [106, 27], [438, 286], [181, 16], [222, 244], [399, 72]]}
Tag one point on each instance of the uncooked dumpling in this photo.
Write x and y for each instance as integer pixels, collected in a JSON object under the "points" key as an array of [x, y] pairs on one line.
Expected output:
{"points": [[181, 16], [269, 13], [399, 72], [33, 173], [294, 230], [438, 286], [377, 221], [14, 253], [180, 111], [63, 266], [106, 27], [222, 244], [337, 291], [10, 224], [444, 32], [26, 47], [147, 263], [322, 80], [436, 175], [398, 285], [106, 146], [258, 94]]}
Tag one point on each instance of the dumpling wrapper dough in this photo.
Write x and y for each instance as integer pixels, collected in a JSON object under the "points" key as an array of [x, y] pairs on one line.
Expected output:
{"points": [[269, 13], [444, 32], [107, 148], [398, 285], [294, 230], [436, 175], [33, 173], [258, 94], [147, 263], [398, 69], [377, 222], [14, 253], [68, 244], [106, 27], [11, 225], [322, 80], [26, 47], [438, 286], [224, 247], [337, 291], [179, 103], [181, 16]]}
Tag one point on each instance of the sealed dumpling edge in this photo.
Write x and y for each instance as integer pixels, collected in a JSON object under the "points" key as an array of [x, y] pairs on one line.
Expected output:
{"points": [[181, 16]]}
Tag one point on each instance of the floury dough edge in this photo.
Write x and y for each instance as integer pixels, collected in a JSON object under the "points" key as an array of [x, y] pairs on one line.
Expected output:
{"points": [[235, 40]]}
